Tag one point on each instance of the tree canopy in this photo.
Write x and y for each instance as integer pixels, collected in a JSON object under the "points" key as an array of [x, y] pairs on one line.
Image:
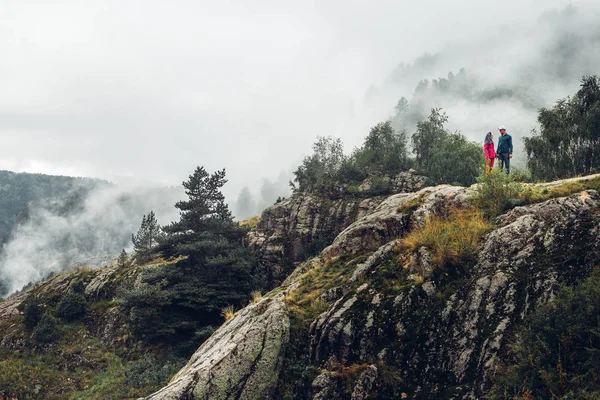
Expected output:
{"points": [[568, 141], [180, 302]]}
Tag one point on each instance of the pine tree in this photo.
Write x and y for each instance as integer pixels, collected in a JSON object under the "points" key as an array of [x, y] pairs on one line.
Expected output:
{"points": [[147, 238], [206, 228], [122, 260], [245, 206], [179, 301]]}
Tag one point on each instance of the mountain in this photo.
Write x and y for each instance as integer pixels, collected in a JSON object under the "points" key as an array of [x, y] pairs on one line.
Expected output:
{"points": [[382, 312], [50, 224], [412, 294], [20, 191]]}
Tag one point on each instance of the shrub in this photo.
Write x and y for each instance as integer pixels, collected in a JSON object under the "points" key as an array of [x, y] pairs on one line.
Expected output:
{"points": [[32, 312], [46, 330], [556, 355], [149, 371], [496, 193], [72, 306], [451, 239]]}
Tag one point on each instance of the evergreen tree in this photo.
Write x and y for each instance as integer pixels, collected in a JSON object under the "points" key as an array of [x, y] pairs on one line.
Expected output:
{"points": [[147, 238], [122, 260], [245, 206], [46, 330], [179, 301]]}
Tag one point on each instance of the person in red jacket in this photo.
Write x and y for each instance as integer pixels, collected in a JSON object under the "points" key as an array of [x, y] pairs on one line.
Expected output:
{"points": [[490, 153]]}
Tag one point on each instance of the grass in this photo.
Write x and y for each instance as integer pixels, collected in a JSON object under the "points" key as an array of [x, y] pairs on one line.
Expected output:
{"points": [[256, 296], [449, 239], [250, 222], [227, 312], [538, 193], [412, 204], [497, 193], [305, 302]]}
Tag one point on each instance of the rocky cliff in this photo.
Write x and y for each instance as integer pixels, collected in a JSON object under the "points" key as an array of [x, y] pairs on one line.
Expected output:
{"points": [[370, 317]]}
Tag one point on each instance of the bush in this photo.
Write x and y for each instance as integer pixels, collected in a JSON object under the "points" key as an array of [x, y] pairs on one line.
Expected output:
{"points": [[32, 312], [149, 371], [556, 355], [451, 239], [72, 306], [46, 330], [496, 193]]}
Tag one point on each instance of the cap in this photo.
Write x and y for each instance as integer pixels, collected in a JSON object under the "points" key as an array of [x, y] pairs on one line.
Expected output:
{"points": [[501, 127]]}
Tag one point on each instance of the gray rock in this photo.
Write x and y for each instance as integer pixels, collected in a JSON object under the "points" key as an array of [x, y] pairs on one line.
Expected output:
{"points": [[363, 386], [241, 360]]}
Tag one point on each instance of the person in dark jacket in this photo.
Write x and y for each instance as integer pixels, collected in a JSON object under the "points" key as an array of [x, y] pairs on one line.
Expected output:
{"points": [[490, 153], [505, 149]]}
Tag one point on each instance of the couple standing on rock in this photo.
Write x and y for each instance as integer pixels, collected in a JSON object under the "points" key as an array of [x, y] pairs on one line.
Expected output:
{"points": [[503, 153]]}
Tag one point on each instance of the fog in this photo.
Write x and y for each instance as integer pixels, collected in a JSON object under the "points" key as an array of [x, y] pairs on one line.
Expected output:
{"points": [[143, 91], [89, 234]]}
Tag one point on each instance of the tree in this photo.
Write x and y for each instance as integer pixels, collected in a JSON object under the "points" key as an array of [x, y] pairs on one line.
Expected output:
{"points": [[384, 151], [147, 238], [443, 156], [568, 141], [177, 302], [245, 206], [122, 260], [46, 330], [206, 223], [429, 134], [319, 170]]}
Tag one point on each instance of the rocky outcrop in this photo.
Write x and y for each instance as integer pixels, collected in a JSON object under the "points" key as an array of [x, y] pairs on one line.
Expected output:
{"points": [[404, 182], [451, 348], [300, 227], [395, 216], [440, 337], [240, 361]]}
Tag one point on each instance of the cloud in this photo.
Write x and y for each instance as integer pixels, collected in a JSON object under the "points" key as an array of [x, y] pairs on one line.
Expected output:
{"points": [[52, 240], [146, 89]]}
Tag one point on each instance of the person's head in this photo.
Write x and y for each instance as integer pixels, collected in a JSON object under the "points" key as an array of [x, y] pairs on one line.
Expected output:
{"points": [[489, 138], [502, 130]]}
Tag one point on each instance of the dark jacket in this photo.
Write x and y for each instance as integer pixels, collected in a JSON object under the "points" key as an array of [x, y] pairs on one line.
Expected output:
{"points": [[505, 144]]}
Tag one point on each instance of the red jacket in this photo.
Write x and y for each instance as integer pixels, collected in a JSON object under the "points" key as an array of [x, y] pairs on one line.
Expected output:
{"points": [[489, 150]]}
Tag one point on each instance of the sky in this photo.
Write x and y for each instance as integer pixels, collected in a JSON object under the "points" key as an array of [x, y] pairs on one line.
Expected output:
{"points": [[144, 91]]}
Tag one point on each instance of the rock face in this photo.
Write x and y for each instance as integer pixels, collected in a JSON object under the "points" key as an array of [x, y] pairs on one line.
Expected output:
{"points": [[300, 227], [240, 361], [450, 349], [441, 337]]}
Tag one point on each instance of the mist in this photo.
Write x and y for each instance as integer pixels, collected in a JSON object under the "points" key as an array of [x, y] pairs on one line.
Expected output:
{"points": [[90, 235], [507, 73], [133, 91]]}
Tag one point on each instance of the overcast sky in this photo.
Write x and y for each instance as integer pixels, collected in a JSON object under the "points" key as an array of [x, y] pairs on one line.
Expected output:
{"points": [[144, 91]]}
